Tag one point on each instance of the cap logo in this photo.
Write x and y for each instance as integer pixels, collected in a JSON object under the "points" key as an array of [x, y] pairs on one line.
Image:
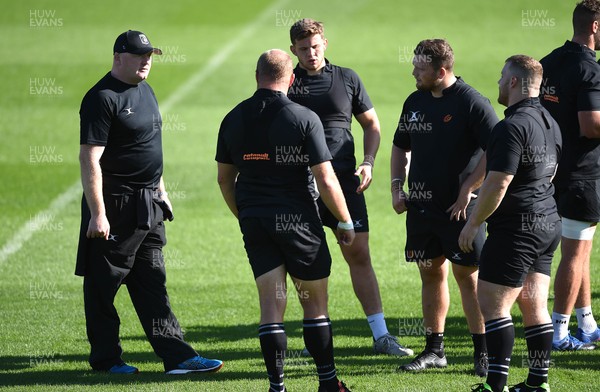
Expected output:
{"points": [[144, 39]]}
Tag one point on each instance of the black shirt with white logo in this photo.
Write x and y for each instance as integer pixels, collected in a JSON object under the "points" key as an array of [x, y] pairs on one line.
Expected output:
{"points": [[446, 137], [272, 141], [125, 119], [572, 84], [526, 144], [335, 95]]}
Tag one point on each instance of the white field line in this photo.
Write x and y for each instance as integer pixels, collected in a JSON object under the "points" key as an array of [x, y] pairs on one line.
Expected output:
{"points": [[72, 193]]}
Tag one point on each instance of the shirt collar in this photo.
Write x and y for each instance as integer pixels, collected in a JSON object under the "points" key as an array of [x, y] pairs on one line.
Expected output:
{"points": [[453, 87], [531, 101], [301, 72], [575, 47]]}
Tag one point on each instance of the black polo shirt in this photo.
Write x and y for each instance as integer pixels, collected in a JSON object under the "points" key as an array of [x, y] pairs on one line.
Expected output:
{"points": [[526, 144], [446, 136], [272, 142], [335, 95], [125, 119], [572, 84]]}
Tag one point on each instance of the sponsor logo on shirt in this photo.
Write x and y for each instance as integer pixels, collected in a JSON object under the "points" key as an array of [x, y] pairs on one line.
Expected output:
{"points": [[551, 98], [256, 157]]}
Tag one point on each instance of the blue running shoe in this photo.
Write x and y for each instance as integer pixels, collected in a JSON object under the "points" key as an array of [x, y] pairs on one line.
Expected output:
{"points": [[123, 368], [570, 343], [588, 337], [197, 364]]}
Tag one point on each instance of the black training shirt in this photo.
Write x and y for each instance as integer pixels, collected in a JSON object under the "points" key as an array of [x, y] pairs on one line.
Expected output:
{"points": [[446, 136], [572, 84], [526, 144], [125, 119], [335, 95], [272, 142]]}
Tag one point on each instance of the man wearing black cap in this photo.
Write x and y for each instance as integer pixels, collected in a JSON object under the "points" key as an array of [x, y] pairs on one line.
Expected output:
{"points": [[123, 208]]}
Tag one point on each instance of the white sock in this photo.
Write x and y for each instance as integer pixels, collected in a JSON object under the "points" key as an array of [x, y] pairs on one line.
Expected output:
{"points": [[560, 322], [585, 319], [377, 324]]}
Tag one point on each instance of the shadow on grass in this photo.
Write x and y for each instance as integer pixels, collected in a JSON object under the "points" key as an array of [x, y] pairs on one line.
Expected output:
{"points": [[357, 360]]}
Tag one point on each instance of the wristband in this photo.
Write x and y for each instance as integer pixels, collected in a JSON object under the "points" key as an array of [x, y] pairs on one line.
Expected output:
{"points": [[346, 225], [397, 184], [368, 160]]}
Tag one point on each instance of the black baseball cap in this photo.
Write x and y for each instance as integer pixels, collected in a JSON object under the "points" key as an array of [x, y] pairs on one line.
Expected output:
{"points": [[135, 42]]}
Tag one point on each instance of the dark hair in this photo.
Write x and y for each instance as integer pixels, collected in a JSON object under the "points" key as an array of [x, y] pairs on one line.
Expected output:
{"points": [[305, 28], [437, 52], [584, 14]]}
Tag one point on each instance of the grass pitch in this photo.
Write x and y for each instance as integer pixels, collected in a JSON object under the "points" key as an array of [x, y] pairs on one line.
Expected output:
{"points": [[55, 51]]}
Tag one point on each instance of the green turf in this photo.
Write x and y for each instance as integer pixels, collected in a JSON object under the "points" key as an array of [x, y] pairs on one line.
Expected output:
{"points": [[42, 332]]}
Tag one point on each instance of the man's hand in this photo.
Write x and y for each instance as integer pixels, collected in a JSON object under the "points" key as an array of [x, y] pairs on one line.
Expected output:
{"points": [[165, 197], [466, 237], [366, 171], [399, 198], [98, 227], [345, 237], [458, 210]]}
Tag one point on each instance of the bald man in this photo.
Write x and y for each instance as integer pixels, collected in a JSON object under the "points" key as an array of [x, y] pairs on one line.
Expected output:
{"points": [[268, 151]]}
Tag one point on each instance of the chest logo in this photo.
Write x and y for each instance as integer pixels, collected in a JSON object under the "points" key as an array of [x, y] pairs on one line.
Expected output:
{"points": [[447, 118], [129, 111]]}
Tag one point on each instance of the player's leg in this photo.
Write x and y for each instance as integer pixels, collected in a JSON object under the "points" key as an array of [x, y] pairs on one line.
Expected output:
{"points": [[466, 272], [466, 278], [587, 328], [110, 263], [533, 301], [496, 301], [576, 244], [148, 291], [272, 295], [267, 258], [579, 205], [435, 298], [366, 289], [100, 285], [309, 264], [362, 274]]}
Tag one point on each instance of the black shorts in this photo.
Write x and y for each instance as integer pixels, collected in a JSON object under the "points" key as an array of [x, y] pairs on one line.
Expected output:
{"points": [[428, 238], [355, 202], [510, 253], [296, 241], [579, 200]]}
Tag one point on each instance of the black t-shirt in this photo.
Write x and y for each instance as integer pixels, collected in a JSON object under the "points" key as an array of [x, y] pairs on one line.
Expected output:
{"points": [[125, 119], [272, 142], [571, 84], [526, 144], [335, 95], [446, 137]]}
